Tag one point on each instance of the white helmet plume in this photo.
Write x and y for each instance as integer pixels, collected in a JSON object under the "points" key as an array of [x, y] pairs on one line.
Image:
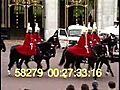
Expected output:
{"points": [[37, 29]]}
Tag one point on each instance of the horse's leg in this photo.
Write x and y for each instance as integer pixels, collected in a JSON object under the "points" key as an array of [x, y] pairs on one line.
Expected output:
{"points": [[89, 64], [72, 65], [63, 58], [67, 64], [11, 63], [48, 64], [26, 63], [109, 68], [97, 64], [101, 65]]}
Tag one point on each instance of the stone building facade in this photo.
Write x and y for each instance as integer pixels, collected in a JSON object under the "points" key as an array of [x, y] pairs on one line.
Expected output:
{"points": [[52, 17]]}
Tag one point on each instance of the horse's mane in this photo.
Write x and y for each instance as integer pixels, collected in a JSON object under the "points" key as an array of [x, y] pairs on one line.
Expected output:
{"points": [[106, 40], [50, 39]]}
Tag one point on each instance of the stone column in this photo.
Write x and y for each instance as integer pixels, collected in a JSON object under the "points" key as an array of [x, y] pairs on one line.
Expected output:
{"points": [[99, 13], [115, 10], [8, 15], [51, 20], [25, 17], [43, 14], [2, 9], [106, 13]]}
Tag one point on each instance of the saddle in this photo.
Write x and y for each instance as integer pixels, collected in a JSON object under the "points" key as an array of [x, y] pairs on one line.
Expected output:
{"points": [[43, 49]]}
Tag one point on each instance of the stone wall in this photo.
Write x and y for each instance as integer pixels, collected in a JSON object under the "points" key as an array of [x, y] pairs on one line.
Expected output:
{"points": [[51, 17], [106, 13]]}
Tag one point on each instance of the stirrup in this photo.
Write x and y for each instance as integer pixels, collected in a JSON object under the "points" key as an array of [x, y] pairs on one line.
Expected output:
{"points": [[32, 57]]}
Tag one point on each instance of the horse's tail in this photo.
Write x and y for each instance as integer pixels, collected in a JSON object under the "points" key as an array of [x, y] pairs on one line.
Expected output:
{"points": [[63, 58]]}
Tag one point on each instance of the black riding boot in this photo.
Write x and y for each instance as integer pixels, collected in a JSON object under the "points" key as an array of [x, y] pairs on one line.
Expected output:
{"points": [[112, 59]]}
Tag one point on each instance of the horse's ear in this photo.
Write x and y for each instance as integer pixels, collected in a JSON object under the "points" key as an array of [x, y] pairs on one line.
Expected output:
{"points": [[56, 33]]}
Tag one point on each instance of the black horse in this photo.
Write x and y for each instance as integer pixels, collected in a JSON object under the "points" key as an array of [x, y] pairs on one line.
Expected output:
{"points": [[101, 55], [72, 59], [2, 45], [111, 43], [49, 47]]}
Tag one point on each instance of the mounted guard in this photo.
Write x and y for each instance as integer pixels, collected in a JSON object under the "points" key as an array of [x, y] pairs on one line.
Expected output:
{"points": [[82, 48], [28, 47], [96, 38]]}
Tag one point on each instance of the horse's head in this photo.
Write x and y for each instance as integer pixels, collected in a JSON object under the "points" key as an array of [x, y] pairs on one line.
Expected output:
{"points": [[54, 40], [2, 45]]}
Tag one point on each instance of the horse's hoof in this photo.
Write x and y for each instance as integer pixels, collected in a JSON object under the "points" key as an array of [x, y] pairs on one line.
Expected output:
{"points": [[95, 78], [9, 75], [107, 73], [112, 75], [59, 65], [38, 77]]}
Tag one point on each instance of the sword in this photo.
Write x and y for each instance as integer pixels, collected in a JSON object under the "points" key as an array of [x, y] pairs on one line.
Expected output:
{"points": [[31, 39], [86, 46]]}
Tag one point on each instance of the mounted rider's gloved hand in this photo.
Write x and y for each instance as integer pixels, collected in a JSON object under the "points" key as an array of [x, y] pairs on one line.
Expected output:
{"points": [[38, 42], [91, 44], [31, 44]]}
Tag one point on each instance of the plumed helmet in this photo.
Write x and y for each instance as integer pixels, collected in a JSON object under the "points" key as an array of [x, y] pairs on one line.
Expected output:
{"points": [[84, 31], [94, 27], [37, 29], [29, 29], [89, 28], [89, 24], [28, 25]]}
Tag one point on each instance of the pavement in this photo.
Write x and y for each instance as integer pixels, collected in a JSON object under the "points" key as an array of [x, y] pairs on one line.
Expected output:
{"points": [[45, 82]]}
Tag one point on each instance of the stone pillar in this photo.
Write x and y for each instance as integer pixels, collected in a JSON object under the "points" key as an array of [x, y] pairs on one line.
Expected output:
{"points": [[9, 14], [43, 14], [25, 16], [2, 9], [6, 13], [51, 20], [115, 10], [99, 13], [106, 13]]}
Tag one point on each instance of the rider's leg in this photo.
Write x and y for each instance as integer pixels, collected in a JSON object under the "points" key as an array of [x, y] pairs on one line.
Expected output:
{"points": [[94, 51], [111, 58]]}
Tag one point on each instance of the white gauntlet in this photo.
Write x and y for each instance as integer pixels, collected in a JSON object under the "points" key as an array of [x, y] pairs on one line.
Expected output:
{"points": [[86, 46], [31, 44]]}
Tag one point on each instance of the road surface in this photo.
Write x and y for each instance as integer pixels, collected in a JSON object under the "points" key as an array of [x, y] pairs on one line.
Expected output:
{"points": [[45, 82]]}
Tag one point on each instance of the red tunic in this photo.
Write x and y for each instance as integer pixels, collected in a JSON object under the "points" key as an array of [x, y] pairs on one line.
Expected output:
{"points": [[26, 48], [79, 49], [37, 38], [96, 38]]}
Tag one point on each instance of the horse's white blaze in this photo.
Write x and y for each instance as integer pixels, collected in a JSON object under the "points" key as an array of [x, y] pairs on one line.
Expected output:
{"points": [[9, 73]]}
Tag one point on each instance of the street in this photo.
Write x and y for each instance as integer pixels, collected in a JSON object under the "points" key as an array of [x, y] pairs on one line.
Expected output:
{"points": [[45, 82]]}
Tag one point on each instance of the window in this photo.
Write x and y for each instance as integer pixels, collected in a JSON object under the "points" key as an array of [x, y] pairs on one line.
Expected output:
{"points": [[75, 32], [62, 32]]}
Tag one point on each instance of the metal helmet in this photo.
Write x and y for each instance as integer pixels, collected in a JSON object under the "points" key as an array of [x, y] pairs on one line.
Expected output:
{"points": [[89, 29]]}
